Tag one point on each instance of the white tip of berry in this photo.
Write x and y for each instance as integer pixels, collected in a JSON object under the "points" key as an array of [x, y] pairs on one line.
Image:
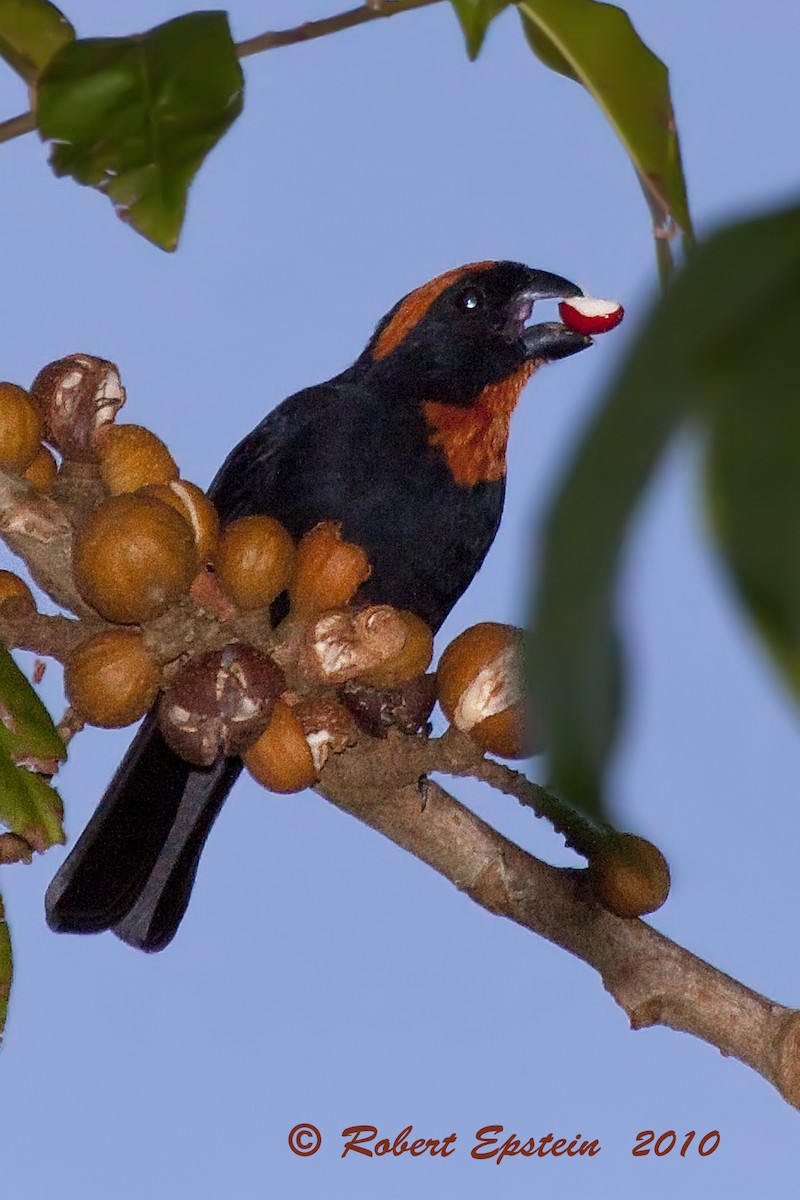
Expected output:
{"points": [[593, 306]]}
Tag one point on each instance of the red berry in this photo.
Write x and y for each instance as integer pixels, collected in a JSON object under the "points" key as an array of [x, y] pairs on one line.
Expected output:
{"points": [[588, 314]]}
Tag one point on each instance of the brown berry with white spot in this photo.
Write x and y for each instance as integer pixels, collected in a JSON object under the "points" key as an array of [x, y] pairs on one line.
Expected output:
{"points": [[411, 660], [281, 759], [629, 875], [219, 703], [346, 643], [406, 707], [20, 428], [133, 558], [130, 457], [75, 397], [328, 573], [111, 678], [195, 507], [328, 727], [254, 561], [480, 684]]}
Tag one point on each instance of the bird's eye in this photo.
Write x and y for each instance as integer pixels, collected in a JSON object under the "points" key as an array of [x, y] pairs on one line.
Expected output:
{"points": [[470, 299]]}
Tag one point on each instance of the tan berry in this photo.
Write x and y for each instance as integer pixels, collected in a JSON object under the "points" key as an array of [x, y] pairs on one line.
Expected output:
{"points": [[195, 507], [480, 688], [629, 875], [329, 571], [111, 679], [43, 470], [130, 457], [414, 658], [254, 561], [132, 558], [12, 587], [20, 428], [281, 759]]}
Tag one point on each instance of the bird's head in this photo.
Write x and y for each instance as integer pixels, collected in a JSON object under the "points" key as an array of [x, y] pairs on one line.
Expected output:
{"points": [[462, 348], [468, 329]]}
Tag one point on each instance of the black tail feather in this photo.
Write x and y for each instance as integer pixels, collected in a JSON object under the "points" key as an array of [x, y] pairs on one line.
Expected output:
{"points": [[138, 855], [152, 922]]}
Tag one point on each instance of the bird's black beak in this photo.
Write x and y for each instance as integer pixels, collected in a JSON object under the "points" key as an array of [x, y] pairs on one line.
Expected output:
{"points": [[550, 340]]}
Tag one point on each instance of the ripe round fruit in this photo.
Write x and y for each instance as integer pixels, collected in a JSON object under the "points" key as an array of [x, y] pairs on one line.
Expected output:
{"points": [[414, 658], [281, 759], [131, 456], [329, 571], [133, 558], [195, 507], [111, 679], [629, 875], [480, 688], [43, 470], [590, 314], [12, 585], [254, 561], [20, 428]]}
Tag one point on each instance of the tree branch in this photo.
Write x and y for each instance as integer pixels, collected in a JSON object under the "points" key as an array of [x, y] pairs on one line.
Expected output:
{"points": [[15, 127], [654, 980], [317, 29]]}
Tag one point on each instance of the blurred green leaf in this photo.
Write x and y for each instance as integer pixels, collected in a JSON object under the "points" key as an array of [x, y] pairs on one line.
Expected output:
{"points": [[27, 731], [28, 738], [30, 33], [597, 45], [475, 17], [6, 968], [705, 344], [753, 467], [29, 806], [135, 117]]}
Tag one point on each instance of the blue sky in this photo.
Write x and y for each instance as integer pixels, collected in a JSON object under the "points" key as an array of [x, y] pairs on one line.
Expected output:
{"points": [[322, 975]]}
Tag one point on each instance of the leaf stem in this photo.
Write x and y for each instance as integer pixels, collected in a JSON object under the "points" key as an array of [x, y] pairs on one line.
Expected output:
{"points": [[373, 10], [309, 30], [15, 127], [6, 968]]}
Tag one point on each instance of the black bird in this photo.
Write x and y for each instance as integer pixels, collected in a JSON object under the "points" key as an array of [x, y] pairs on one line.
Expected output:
{"points": [[407, 449]]}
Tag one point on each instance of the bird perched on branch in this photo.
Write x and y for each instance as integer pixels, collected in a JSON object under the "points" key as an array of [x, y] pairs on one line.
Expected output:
{"points": [[407, 450]]}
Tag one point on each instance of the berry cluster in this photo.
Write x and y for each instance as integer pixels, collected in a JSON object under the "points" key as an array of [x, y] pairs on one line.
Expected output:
{"points": [[178, 613]]}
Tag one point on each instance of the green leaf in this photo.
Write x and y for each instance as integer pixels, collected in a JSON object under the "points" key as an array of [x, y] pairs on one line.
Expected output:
{"points": [[475, 17], [30, 33], [28, 738], [753, 464], [6, 968], [596, 45], [135, 117], [26, 728], [29, 806], [686, 363]]}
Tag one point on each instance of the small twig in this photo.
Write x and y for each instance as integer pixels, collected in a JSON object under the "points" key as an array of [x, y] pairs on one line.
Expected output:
{"points": [[15, 127], [317, 29], [578, 833], [71, 723]]}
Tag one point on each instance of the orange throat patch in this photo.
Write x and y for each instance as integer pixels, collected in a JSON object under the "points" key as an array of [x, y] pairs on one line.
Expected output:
{"points": [[474, 440]]}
